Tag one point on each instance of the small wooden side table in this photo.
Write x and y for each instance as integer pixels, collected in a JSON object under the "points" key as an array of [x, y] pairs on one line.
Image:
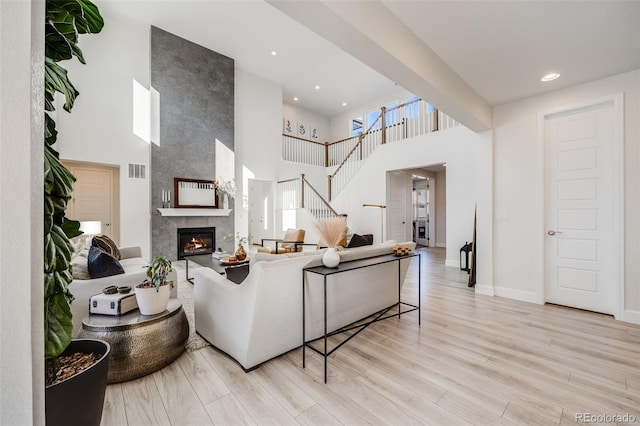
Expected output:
{"points": [[140, 344]]}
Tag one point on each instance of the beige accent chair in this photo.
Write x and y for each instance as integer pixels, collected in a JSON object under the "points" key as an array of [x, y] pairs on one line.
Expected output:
{"points": [[291, 242]]}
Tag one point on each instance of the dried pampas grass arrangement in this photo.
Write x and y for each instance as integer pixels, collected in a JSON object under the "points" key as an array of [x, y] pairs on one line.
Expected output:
{"points": [[332, 230]]}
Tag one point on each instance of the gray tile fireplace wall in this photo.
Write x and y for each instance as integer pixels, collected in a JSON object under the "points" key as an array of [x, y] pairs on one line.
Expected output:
{"points": [[196, 107]]}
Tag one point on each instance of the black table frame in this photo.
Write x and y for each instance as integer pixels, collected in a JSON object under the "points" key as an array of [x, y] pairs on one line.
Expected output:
{"points": [[219, 268], [377, 316]]}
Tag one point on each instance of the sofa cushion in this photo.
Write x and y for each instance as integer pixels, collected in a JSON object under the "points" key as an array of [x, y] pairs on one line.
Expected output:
{"points": [[106, 244], [80, 267], [367, 251], [360, 240], [102, 264]]}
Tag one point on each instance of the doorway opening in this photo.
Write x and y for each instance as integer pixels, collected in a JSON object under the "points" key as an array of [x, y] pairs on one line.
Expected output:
{"points": [[420, 210], [418, 205], [96, 196]]}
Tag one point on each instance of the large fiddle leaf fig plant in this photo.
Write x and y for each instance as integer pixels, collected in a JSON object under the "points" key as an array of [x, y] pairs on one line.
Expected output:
{"points": [[65, 20]]}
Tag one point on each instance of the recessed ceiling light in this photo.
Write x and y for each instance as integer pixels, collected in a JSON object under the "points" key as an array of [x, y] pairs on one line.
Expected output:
{"points": [[317, 87], [344, 104], [295, 98], [274, 53], [550, 77]]}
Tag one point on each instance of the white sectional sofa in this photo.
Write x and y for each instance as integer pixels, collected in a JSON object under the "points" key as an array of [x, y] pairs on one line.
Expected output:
{"points": [[134, 273], [261, 318]]}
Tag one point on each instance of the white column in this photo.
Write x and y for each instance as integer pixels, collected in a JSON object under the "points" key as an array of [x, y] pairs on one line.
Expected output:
{"points": [[21, 211]]}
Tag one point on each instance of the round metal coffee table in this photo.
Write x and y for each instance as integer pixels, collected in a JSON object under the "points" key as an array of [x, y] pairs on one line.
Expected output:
{"points": [[140, 344]]}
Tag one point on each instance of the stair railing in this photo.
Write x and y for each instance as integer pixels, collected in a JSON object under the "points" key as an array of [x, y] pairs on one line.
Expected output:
{"points": [[351, 162], [392, 124], [304, 151], [300, 193]]}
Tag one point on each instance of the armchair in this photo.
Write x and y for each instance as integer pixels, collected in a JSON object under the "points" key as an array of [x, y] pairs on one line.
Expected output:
{"points": [[291, 242]]}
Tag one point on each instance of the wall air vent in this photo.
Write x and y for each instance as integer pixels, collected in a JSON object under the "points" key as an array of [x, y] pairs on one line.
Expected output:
{"points": [[137, 171]]}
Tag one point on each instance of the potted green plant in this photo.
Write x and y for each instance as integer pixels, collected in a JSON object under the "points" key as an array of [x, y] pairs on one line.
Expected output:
{"points": [[153, 294], [64, 21]]}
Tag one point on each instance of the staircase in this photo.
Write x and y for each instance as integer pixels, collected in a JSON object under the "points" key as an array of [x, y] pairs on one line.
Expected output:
{"points": [[299, 193], [395, 124]]}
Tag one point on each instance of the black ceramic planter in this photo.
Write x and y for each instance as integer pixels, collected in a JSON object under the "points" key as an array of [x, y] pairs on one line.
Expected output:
{"points": [[78, 400]]}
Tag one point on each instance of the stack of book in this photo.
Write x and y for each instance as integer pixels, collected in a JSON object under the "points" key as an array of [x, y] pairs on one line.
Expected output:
{"points": [[219, 254]]}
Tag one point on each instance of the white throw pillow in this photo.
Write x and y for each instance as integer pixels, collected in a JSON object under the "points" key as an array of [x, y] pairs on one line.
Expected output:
{"points": [[79, 267]]}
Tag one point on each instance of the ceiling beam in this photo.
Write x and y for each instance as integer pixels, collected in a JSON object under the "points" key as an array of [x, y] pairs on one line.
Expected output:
{"points": [[372, 34]]}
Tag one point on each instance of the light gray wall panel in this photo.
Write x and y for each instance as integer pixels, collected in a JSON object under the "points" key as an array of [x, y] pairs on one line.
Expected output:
{"points": [[196, 107]]}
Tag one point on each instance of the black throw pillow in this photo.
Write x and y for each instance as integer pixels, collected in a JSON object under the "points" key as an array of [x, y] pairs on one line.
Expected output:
{"points": [[360, 240], [102, 264]]}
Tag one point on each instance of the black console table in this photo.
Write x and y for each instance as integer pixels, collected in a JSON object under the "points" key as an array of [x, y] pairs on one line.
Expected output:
{"points": [[378, 316]]}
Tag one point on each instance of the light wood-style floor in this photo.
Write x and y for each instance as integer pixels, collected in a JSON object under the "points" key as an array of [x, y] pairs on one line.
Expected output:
{"points": [[475, 360]]}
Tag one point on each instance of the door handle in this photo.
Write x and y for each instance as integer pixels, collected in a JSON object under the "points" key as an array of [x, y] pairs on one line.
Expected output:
{"points": [[552, 233]]}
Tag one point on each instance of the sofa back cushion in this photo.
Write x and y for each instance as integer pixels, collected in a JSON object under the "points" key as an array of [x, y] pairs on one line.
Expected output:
{"points": [[360, 240]]}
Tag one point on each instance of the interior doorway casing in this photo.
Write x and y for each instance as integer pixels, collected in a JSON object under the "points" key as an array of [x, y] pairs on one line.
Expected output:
{"points": [[111, 226], [617, 158]]}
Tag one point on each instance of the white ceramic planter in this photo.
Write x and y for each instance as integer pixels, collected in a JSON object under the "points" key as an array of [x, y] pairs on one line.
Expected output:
{"points": [[152, 302], [331, 258]]}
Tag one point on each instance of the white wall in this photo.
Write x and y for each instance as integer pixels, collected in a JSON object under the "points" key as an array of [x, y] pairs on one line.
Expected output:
{"points": [[21, 213], [258, 135], [310, 119], [456, 147], [100, 128], [440, 238], [518, 187]]}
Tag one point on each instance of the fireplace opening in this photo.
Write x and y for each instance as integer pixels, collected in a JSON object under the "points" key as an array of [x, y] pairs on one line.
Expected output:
{"points": [[192, 241]]}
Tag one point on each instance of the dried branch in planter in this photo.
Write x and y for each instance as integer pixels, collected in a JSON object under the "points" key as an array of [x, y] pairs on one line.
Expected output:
{"points": [[332, 229]]}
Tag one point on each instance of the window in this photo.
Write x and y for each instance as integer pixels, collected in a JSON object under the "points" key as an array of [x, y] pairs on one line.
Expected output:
{"points": [[372, 116], [411, 110], [392, 117], [356, 126]]}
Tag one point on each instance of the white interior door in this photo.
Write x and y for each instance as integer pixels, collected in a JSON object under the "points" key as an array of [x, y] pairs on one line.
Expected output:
{"points": [[92, 198], [397, 207], [261, 210], [581, 247]]}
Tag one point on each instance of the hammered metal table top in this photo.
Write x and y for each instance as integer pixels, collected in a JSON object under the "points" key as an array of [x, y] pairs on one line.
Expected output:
{"points": [[130, 320]]}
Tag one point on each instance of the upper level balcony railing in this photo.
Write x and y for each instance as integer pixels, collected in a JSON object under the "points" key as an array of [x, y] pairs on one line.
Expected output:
{"points": [[401, 122]]}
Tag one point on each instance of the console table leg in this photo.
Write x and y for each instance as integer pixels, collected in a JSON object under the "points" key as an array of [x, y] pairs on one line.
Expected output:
{"points": [[304, 337], [325, 329], [399, 284], [419, 286]]}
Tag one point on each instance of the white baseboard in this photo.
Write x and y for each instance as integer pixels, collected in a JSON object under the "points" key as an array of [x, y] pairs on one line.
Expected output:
{"points": [[452, 263], [486, 290], [631, 316], [441, 245], [510, 293]]}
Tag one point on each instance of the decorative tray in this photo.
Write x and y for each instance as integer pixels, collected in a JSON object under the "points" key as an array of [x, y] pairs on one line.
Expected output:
{"points": [[227, 262]]}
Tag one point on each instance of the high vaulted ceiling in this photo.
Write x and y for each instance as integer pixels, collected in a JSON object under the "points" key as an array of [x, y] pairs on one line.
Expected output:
{"points": [[464, 56]]}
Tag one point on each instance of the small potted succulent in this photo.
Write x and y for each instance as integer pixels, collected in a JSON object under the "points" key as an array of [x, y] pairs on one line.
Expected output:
{"points": [[153, 294]]}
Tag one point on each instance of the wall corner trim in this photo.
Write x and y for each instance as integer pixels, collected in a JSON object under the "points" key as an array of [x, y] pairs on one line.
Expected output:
{"points": [[523, 296], [631, 316], [484, 289]]}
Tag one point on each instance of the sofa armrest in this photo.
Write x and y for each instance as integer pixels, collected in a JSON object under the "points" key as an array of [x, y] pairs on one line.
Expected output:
{"points": [[129, 252], [223, 311]]}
